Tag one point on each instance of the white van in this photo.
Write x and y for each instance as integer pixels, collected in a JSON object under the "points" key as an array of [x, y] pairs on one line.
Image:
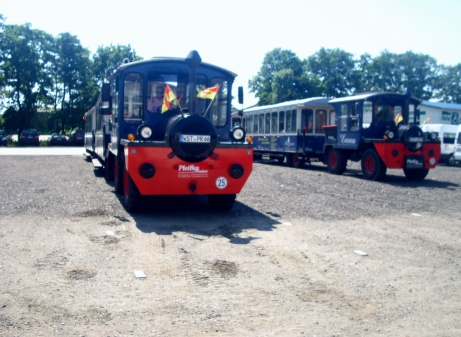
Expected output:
{"points": [[447, 135], [457, 155]]}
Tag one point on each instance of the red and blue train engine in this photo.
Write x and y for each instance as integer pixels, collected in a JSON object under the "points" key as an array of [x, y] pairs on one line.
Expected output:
{"points": [[165, 129], [381, 130]]}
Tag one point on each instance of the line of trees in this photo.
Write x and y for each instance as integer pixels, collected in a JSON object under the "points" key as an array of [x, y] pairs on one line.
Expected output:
{"points": [[39, 72], [336, 73]]}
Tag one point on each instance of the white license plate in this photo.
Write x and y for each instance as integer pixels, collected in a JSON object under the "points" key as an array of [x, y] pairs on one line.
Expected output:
{"points": [[194, 139]]}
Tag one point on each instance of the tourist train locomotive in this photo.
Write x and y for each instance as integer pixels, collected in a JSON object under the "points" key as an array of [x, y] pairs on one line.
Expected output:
{"points": [[163, 127]]}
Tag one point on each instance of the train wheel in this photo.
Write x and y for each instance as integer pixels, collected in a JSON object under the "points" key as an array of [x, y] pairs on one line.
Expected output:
{"points": [[295, 160], [221, 202], [373, 168], [133, 201], [109, 168], [415, 174], [118, 175], [336, 161]]}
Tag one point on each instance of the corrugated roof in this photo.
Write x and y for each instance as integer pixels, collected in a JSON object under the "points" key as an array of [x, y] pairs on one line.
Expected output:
{"points": [[442, 105]]}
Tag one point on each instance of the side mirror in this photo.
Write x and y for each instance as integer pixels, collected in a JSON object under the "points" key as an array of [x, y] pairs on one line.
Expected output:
{"points": [[105, 99], [240, 95]]}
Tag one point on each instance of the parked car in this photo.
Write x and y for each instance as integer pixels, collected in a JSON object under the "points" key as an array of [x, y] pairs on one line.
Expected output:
{"points": [[3, 140], [77, 137], [29, 137], [58, 139]]}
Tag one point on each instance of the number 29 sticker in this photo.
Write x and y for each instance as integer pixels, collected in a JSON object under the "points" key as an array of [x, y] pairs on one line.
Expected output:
{"points": [[221, 183]]}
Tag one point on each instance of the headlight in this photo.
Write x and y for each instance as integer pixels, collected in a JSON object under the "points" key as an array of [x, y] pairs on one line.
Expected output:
{"points": [[145, 132], [390, 134], [433, 136], [238, 134]]}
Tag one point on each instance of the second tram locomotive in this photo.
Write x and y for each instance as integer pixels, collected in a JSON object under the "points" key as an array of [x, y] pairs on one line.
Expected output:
{"points": [[379, 129], [163, 127]]}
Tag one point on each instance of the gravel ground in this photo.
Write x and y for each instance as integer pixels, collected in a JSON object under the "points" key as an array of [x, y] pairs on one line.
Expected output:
{"points": [[280, 263]]}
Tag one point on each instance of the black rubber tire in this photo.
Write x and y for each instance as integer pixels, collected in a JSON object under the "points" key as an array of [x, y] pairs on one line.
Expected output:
{"points": [[221, 202], [373, 168], [451, 161], [416, 174], [295, 160], [119, 166], [133, 201], [109, 168], [336, 161]]}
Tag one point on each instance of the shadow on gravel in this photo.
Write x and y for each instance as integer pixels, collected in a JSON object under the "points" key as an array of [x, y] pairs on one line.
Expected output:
{"points": [[390, 179], [191, 214]]}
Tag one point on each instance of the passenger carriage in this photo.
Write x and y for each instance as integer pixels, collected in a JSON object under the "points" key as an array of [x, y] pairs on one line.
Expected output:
{"points": [[291, 130]]}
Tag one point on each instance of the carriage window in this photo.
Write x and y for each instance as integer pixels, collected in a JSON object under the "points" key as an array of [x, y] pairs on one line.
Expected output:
{"points": [[293, 120], [114, 88], [320, 120], [248, 123], [268, 123], [255, 125], [274, 122], [288, 121], [332, 119], [307, 120], [261, 123], [132, 100], [281, 121]]}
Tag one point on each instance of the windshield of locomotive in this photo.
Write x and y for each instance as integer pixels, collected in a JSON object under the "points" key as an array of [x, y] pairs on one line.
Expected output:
{"points": [[171, 91]]}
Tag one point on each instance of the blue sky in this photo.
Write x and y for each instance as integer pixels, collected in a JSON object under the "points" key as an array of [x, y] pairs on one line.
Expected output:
{"points": [[237, 34]]}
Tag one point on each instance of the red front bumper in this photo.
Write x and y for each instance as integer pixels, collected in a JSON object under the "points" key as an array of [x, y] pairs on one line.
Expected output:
{"points": [[394, 154], [174, 176]]}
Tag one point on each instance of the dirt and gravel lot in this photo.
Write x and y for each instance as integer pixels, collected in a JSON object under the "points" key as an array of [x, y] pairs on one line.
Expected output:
{"points": [[280, 263]]}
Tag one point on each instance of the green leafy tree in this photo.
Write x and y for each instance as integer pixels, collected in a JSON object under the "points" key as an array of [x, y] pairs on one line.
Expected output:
{"points": [[25, 82], [335, 70], [74, 86], [280, 78], [448, 84], [106, 61]]}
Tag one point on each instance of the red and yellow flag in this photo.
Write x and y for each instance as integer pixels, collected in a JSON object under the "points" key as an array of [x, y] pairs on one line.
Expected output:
{"points": [[398, 119], [168, 97], [208, 93], [427, 119]]}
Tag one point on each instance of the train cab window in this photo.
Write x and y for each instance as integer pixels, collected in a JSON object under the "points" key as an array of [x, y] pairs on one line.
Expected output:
{"points": [[320, 120], [268, 123], [343, 118], [255, 123], [354, 116], [261, 123], [282, 122], [274, 122], [132, 100], [367, 114], [217, 108]]}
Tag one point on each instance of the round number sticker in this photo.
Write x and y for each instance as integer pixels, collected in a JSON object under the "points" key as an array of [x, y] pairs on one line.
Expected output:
{"points": [[221, 183]]}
